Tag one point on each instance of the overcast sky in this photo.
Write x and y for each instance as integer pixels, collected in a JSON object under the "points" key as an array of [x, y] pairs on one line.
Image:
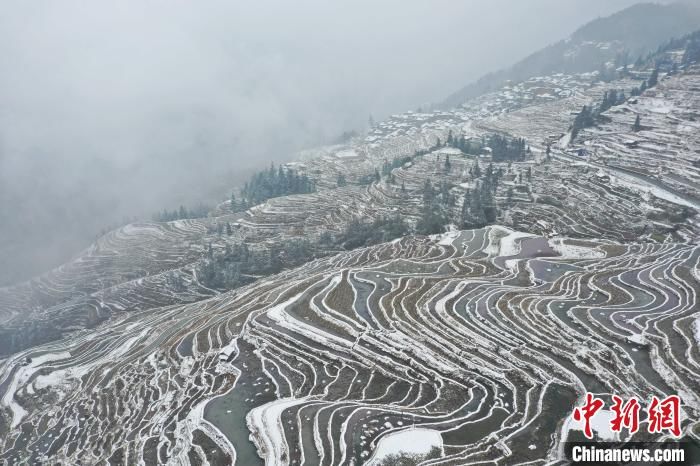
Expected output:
{"points": [[118, 108]]}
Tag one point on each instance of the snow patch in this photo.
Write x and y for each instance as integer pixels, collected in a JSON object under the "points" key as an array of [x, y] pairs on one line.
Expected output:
{"points": [[600, 425], [266, 423], [410, 441], [575, 252], [509, 246]]}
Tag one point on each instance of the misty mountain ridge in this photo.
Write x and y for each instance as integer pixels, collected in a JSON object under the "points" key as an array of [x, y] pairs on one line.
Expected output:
{"points": [[620, 38]]}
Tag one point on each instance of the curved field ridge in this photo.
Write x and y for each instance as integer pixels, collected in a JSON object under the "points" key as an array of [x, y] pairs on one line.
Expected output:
{"points": [[488, 337]]}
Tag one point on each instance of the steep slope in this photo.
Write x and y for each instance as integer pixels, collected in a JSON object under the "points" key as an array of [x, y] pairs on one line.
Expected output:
{"points": [[483, 338], [146, 266], [619, 38]]}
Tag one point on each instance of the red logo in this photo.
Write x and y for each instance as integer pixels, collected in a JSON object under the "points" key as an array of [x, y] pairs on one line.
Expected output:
{"points": [[665, 415], [588, 410], [626, 415], [662, 415]]}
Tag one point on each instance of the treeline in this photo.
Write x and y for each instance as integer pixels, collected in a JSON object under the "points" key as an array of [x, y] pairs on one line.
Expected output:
{"points": [[270, 183], [183, 212]]}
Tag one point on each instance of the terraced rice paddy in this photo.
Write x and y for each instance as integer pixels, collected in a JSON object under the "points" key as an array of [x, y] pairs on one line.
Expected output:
{"points": [[480, 342], [485, 337]]}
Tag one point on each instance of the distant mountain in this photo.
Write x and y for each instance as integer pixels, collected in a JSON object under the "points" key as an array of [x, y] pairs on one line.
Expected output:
{"points": [[621, 37]]}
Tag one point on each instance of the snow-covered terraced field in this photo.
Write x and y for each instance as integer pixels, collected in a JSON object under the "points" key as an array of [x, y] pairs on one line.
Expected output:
{"points": [[484, 339], [667, 147], [479, 342], [131, 268], [541, 121]]}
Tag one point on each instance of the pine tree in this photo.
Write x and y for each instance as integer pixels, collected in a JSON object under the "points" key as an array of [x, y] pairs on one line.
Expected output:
{"points": [[637, 124], [465, 209], [476, 210], [584, 120], [448, 165], [462, 144], [428, 193], [654, 78]]}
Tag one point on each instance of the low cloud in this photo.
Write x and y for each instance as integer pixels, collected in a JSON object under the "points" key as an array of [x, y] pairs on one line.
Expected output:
{"points": [[111, 110]]}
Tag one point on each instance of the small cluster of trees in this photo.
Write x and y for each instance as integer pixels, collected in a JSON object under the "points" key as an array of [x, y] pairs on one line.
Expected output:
{"points": [[468, 146], [358, 234], [238, 265], [479, 207], [584, 119], [505, 149], [692, 49], [589, 115], [435, 208], [271, 183], [611, 98], [183, 212], [220, 228]]}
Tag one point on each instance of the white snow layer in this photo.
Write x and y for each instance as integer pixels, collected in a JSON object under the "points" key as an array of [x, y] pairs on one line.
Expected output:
{"points": [[600, 425], [410, 441]]}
